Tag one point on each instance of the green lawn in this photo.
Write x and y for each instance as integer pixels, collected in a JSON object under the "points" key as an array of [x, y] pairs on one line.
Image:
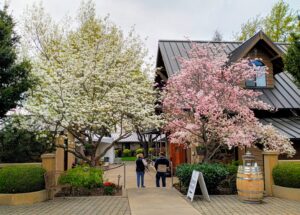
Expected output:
{"points": [[128, 158]]}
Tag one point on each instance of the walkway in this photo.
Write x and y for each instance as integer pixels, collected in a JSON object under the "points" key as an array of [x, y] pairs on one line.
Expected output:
{"points": [[102, 205], [229, 204], [151, 201]]}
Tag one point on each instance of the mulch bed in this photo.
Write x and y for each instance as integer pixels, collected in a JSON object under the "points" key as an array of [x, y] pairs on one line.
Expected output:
{"points": [[69, 191]]}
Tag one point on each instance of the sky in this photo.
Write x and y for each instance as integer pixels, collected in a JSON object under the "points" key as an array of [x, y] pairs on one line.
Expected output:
{"points": [[165, 19]]}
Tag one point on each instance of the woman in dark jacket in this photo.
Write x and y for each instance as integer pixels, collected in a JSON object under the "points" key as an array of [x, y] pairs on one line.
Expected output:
{"points": [[140, 170]]}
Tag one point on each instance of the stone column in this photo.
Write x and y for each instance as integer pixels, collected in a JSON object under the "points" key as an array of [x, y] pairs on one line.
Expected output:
{"points": [[270, 161], [71, 146], [59, 153], [49, 164]]}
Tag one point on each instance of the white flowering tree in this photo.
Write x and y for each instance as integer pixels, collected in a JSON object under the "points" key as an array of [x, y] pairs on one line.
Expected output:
{"points": [[91, 79]]}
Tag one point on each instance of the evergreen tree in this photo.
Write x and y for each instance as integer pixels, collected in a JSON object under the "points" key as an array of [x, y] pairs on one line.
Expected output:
{"points": [[217, 36], [292, 58], [14, 79]]}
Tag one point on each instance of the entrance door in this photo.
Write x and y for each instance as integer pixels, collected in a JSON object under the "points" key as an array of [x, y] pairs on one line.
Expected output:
{"points": [[177, 154]]}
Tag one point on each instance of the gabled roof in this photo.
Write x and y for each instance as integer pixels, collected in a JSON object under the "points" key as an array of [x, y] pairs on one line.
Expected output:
{"points": [[170, 50], [290, 127], [245, 47], [285, 93]]}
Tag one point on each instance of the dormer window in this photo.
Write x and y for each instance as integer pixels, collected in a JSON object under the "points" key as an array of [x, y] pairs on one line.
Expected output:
{"points": [[260, 79]]}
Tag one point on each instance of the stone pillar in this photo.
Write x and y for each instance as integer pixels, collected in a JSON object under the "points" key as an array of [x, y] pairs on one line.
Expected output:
{"points": [[71, 146], [270, 161], [48, 162], [59, 153]]}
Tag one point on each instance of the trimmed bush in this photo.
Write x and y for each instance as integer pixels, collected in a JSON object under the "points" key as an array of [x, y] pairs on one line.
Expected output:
{"points": [[138, 151], [82, 176], [212, 173], [21, 179], [287, 175], [126, 153], [232, 168], [151, 150]]}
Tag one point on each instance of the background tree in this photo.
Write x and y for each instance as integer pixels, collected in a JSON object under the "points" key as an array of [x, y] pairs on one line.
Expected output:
{"points": [[90, 80], [19, 145], [217, 36], [292, 58], [204, 105], [278, 24], [281, 22], [14, 79], [249, 28]]}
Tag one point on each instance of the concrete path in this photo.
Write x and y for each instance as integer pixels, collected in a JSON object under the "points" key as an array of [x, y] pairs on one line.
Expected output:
{"points": [[149, 201]]}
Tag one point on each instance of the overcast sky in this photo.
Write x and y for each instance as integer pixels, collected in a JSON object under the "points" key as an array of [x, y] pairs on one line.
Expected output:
{"points": [[166, 19]]}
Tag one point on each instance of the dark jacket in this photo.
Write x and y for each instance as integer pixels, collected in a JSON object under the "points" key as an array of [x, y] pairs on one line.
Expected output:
{"points": [[140, 167], [163, 161]]}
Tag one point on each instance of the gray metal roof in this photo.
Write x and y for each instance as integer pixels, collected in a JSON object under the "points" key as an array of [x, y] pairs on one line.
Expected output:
{"points": [[285, 93], [245, 47], [289, 127], [172, 49]]}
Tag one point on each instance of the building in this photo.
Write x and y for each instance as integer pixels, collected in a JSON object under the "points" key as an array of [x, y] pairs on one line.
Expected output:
{"points": [[277, 86]]}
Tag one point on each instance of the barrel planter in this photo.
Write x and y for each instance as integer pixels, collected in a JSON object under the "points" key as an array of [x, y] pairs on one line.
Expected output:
{"points": [[250, 184]]}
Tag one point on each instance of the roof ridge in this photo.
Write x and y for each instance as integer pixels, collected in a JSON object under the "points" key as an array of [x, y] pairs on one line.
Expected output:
{"points": [[203, 41], [212, 41]]}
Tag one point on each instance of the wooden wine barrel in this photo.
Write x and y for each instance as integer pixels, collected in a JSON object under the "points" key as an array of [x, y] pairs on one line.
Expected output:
{"points": [[250, 184]]}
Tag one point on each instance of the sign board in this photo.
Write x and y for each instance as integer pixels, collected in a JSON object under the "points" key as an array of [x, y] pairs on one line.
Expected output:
{"points": [[197, 177]]}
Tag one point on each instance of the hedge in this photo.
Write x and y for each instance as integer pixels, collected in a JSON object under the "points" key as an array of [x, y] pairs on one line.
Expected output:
{"points": [[212, 173], [82, 176], [21, 179], [287, 175], [138, 151], [126, 153]]}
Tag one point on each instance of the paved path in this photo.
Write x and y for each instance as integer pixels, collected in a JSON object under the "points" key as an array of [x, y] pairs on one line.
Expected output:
{"points": [[150, 201], [103, 205], [229, 204]]}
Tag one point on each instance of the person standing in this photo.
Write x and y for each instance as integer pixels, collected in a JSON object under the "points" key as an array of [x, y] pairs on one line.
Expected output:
{"points": [[140, 170], [161, 166]]}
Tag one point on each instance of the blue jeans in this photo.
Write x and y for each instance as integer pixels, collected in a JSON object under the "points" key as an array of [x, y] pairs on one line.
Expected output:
{"points": [[140, 178], [163, 176]]}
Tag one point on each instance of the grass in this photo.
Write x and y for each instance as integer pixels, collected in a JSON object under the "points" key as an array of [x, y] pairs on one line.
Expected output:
{"points": [[128, 158]]}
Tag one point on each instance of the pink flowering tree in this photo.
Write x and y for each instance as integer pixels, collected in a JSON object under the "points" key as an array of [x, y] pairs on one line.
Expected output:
{"points": [[206, 105]]}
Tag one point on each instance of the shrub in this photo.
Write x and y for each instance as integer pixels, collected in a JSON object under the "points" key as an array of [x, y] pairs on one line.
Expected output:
{"points": [[232, 168], [126, 153], [151, 150], [82, 176], [212, 173], [138, 151], [109, 188], [287, 175], [21, 179]]}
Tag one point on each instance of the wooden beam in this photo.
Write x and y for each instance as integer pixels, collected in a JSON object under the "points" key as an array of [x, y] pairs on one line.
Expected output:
{"points": [[163, 77], [274, 58]]}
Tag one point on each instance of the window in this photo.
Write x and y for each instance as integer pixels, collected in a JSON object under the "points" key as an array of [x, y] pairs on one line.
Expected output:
{"points": [[260, 79]]}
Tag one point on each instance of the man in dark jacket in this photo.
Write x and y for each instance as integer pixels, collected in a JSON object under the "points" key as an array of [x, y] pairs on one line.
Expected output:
{"points": [[161, 166], [140, 170]]}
